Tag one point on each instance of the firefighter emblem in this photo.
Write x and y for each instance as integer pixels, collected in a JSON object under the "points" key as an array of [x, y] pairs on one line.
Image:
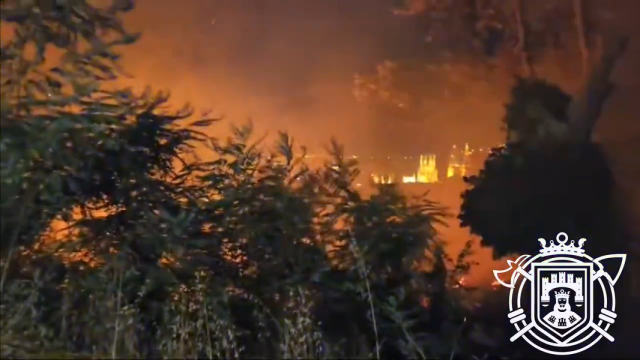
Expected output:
{"points": [[562, 301]]}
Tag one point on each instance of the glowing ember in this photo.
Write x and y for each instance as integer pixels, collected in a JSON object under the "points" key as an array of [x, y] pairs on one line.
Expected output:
{"points": [[409, 179], [382, 179]]}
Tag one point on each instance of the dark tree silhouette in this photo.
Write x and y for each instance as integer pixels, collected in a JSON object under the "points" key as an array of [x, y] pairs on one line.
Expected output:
{"points": [[523, 194], [550, 176]]}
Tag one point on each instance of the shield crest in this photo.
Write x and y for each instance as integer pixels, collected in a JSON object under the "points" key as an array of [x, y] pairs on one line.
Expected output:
{"points": [[561, 300]]}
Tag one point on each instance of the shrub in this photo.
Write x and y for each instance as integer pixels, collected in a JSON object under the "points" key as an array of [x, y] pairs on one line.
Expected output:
{"points": [[249, 253]]}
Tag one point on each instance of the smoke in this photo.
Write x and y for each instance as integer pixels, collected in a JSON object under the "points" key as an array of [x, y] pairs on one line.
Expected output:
{"points": [[287, 65]]}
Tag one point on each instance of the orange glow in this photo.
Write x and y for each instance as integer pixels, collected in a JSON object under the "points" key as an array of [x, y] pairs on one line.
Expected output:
{"points": [[382, 179], [459, 161], [409, 179], [427, 171], [249, 64]]}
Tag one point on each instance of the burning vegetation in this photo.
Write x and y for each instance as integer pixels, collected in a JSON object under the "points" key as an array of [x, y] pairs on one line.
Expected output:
{"points": [[458, 166], [129, 231]]}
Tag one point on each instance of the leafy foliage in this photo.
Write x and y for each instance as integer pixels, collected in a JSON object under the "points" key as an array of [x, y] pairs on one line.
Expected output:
{"points": [[163, 254], [540, 182], [551, 176], [494, 28], [474, 51], [524, 193], [534, 104]]}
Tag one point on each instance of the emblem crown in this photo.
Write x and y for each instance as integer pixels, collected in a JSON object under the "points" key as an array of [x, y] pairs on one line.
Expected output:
{"points": [[561, 294], [562, 248]]}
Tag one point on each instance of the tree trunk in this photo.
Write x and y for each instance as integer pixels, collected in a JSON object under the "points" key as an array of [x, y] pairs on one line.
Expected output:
{"points": [[586, 107], [521, 48], [578, 16]]}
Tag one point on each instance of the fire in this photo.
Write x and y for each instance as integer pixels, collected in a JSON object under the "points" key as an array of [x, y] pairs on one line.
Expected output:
{"points": [[459, 161], [409, 179], [382, 179], [427, 171], [459, 165]]}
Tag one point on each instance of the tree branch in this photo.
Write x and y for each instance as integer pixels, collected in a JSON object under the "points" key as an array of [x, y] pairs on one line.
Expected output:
{"points": [[586, 108]]}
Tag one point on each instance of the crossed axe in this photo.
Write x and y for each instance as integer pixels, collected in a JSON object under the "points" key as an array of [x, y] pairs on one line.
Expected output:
{"points": [[519, 315]]}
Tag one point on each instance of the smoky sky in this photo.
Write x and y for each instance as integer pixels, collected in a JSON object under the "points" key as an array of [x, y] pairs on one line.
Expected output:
{"points": [[286, 64], [289, 65]]}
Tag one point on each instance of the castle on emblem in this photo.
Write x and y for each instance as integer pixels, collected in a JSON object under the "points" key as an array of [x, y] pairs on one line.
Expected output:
{"points": [[559, 272], [561, 280]]}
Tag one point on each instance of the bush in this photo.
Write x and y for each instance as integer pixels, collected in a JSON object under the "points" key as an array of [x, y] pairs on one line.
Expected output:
{"points": [[164, 254]]}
